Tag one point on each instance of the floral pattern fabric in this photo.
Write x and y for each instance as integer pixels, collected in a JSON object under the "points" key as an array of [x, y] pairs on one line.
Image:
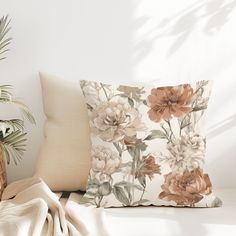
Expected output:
{"points": [[148, 145]]}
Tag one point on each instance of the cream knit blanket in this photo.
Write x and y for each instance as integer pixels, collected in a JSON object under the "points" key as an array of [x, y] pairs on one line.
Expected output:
{"points": [[30, 208]]}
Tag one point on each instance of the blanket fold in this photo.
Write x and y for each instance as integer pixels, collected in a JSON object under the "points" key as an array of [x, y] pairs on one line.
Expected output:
{"points": [[30, 208]]}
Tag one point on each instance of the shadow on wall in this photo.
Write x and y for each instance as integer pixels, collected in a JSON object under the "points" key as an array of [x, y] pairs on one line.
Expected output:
{"points": [[222, 126], [224, 167], [212, 14]]}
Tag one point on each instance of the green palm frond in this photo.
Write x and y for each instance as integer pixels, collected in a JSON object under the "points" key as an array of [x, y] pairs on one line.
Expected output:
{"points": [[12, 137], [14, 124], [5, 94], [4, 29], [24, 111], [13, 146], [6, 97]]}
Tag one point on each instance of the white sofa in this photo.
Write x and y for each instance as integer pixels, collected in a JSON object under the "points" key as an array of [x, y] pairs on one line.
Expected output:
{"points": [[170, 221]]}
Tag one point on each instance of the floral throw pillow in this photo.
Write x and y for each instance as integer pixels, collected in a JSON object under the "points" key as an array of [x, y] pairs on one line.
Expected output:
{"points": [[148, 145]]}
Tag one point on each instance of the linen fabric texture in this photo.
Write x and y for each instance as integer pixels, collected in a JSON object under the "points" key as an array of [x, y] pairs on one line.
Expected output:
{"points": [[64, 160], [148, 145]]}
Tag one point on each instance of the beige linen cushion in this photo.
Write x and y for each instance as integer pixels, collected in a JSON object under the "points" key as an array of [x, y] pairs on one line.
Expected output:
{"points": [[64, 158]]}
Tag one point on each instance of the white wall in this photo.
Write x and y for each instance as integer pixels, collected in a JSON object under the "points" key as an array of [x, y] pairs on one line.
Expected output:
{"points": [[125, 40]]}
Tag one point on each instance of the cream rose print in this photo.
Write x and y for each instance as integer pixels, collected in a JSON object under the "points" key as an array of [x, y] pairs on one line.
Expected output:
{"points": [[113, 120], [186, 152], [104, 163], [122, 120]]}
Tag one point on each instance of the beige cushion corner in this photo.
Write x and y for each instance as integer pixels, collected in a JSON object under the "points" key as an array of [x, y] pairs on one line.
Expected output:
{"points": [[64, 157]]}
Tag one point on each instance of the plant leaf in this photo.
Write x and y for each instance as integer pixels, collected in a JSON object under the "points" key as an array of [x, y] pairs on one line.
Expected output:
{"points": [[5, 94], [142, 180], [104, 189], [6, 97], [25, 111], [141, 202], [134, 152], [90, 193], [130, 185], [145, 102], [199, 108], [14, 124], [131, 102], [120, 195], [156, 134], [4, 29], [128, 190], [216, 203], [13, 146], [126, 164]]}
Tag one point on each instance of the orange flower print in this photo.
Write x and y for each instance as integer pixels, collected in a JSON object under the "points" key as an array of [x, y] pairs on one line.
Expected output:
{"points": [[148, 167], [186, 189], [166, 102]]}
